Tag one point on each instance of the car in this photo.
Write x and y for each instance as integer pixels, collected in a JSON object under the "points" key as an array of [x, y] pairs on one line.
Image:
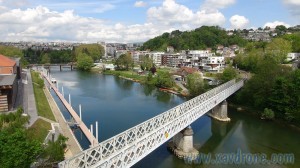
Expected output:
{"points": [[53, 80]]}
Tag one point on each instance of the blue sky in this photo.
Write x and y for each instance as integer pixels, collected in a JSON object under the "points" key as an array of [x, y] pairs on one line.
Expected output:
{"points": [[133, 21]]}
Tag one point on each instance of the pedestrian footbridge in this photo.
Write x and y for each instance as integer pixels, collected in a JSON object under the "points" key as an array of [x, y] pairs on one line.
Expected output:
{"points": [[132, 145]]}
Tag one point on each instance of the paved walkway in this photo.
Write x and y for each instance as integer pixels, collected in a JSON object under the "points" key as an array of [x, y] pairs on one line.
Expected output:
{"points": [[29, 101], [72, 143], [184, 89]]}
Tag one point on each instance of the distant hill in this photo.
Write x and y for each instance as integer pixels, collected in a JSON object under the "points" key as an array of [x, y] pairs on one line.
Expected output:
{"points": [[200, 38]]}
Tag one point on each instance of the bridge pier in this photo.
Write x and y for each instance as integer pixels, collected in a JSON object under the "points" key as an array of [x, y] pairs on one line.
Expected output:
{"points": [[182, 144], [220, 112]]}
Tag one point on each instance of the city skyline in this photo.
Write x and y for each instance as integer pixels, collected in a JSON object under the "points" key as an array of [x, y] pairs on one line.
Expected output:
{"points": [[134, 21]]}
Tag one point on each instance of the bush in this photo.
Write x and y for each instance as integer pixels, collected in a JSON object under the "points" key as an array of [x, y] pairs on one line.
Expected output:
{"points": [[268, 114]]}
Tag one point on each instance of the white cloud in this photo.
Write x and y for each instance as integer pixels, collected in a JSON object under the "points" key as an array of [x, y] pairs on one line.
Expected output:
{"points": [[217, 4], [238, 22], [14, 3], [293, 7], [104, 8], [43, 24], [176, 15], [140, 4], [275, 23], [292, 2]]}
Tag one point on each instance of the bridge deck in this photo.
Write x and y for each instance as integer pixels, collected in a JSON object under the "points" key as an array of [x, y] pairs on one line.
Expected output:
{"points": [[77, 119], [132, 145]]}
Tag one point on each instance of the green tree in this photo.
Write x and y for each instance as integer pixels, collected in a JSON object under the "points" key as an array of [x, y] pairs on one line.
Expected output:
{"points": [[280, 29], [294, 39], [268, 114], [45, 59], [10, 51], [124, 62], [84, 62], [228, 74], [54, 152], [278, 49], [16, 148], [96, 51], [195, 84], [163, 79], [146, 63]]}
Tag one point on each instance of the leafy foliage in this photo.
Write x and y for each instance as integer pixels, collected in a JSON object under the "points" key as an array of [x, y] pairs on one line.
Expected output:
{"points": [[54, 151], [200, 38], [268, 114], [278, 49], [11, 51], [294, 39], [228, 74], [95, 51], [146, 63], [16, 149], [275, 87], [84, 62], [48, 56], [163, 79], [124, 62], [195, 84]]}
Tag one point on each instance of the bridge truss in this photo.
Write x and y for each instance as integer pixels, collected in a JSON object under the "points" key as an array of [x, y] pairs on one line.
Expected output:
{"points": [[132, 145]]}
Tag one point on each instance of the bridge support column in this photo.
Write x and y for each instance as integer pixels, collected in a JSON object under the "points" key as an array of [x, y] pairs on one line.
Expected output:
{"points": [[220, 112], [182, 144]]}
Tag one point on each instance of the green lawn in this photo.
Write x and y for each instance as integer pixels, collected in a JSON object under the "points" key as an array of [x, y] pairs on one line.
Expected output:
{"points": [[127, 74], [39, 130], [42, 104]]}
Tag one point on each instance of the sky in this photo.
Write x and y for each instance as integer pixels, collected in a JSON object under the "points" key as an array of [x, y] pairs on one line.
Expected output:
{"points": [[129, 21]]}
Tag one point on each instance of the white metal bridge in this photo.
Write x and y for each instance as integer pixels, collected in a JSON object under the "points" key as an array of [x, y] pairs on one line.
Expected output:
{"points": [[132, 145]]}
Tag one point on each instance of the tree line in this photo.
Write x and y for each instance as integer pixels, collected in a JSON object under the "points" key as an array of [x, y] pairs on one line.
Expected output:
{"points": [[274, 89], [200, 38], [85, 55]]}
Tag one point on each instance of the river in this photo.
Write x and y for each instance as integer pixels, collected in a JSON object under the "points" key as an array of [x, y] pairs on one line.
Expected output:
{"points": [[118, 104]]}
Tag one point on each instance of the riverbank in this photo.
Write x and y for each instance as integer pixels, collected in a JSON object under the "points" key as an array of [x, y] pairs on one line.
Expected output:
{"points": [[133, 76], [256, 113]]}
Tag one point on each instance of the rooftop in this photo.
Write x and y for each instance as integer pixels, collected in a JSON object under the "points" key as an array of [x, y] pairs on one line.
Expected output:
{"points": [[5, 61], [7, 79]]}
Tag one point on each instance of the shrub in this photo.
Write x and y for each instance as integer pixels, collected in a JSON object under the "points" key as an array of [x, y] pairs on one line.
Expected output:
{"points": [[268, 114]]}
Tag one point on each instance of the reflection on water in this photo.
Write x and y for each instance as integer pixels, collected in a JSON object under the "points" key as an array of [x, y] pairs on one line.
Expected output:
{"points": [[119, 104]]}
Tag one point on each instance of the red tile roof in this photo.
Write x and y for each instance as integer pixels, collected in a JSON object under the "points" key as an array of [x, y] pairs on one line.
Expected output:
{"points": [[189, 70], [5, 61]]}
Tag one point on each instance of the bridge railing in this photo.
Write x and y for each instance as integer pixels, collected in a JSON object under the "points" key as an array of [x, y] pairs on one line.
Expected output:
{"points": [[128, 147]]}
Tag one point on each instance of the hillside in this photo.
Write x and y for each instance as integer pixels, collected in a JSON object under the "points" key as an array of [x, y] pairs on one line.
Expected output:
{"points": [[200, 38]]}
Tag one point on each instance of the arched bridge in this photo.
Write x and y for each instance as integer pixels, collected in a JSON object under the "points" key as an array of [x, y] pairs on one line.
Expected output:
{"points": [[132, 145]]}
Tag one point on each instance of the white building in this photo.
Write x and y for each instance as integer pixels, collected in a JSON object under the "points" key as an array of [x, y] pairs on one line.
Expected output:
{"points": [[137, 55], [213, 63], [292, 56], [156, 57]]}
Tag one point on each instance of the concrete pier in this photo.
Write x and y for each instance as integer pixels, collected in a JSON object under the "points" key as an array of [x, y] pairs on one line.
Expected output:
{"points": [[220, 112], [182, 144]]}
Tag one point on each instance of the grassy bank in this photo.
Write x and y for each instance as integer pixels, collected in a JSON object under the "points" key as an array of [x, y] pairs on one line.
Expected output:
{"points": [[39, 130], [127, 74], [42, 104]]}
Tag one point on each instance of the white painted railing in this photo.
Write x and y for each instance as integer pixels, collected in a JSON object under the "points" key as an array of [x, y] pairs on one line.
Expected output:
{"points": [[132, 145]]}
